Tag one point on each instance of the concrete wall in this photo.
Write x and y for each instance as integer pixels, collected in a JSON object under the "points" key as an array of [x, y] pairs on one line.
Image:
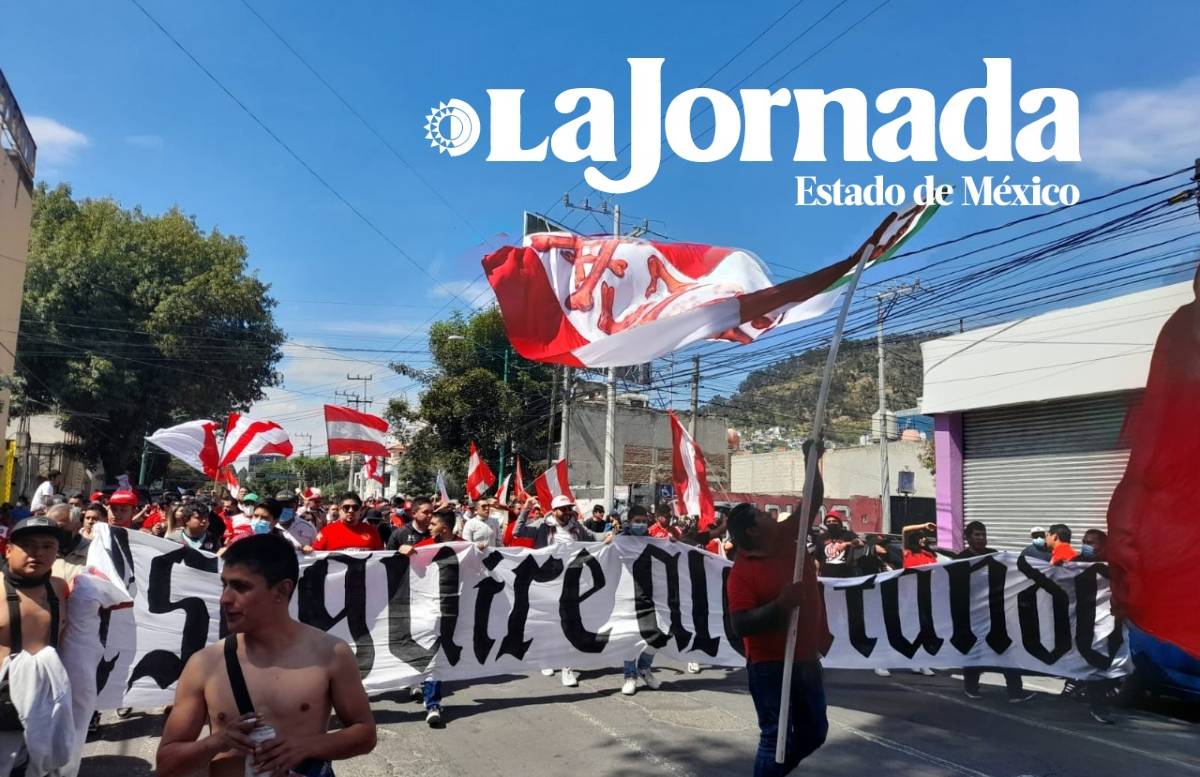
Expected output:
{"points": [[643, 446], [848, 472], [16, 209]]}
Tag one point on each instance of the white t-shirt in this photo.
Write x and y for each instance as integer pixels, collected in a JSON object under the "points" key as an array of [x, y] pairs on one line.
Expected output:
{"points": [[42, 496], [480, 529]]}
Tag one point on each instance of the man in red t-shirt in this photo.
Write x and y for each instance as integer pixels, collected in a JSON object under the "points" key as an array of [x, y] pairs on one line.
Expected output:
{"points": [[349, 531], [1058, 539], [762, 597], [662, 528]]}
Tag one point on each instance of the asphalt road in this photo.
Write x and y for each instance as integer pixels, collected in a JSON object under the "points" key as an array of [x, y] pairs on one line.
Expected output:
{"points": [[705, 725]]}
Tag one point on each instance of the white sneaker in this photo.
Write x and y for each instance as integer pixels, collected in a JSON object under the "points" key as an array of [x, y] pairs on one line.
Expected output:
{"points": [[649, 678], [629, 688], [693, 668], [434, 716], [926, 671], [882, 673], [547, 673], [569, 679]]}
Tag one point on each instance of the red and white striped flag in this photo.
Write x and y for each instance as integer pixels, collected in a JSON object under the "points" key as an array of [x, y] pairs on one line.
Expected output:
{"points": [[350, 431], [246, 437], [479, 475], [372, 471], [553, 482], [689, 474], [519, 492], [610, 301], [502, 494], [193, 442]]}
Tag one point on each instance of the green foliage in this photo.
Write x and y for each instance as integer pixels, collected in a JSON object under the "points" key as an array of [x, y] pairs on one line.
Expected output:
{"points": [[131, 322], [785, 394], [467, 400], [324, 472]]}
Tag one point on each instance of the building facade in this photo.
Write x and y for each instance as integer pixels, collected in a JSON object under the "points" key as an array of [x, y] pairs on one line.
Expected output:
{"points": [[1028, 416], [849, 471]]}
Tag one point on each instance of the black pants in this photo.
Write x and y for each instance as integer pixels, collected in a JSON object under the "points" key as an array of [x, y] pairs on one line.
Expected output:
{"points": [[1012, 680]]}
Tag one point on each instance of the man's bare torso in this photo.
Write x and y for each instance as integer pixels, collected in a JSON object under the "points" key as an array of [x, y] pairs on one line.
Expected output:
{"points": [[35, 618], [290, 691]]}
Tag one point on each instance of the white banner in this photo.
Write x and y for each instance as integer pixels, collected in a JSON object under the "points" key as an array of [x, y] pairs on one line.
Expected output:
{"points": [[456, 612]]}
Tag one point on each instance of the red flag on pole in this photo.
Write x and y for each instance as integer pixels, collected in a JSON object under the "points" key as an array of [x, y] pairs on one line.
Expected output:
{"points": [[553, 482], [689, 474], [350, 431], [479, 475], [519, 492]]}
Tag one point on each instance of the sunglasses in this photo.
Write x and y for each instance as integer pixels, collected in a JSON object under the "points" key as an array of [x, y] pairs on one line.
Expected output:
{"points": [[350, 508]]}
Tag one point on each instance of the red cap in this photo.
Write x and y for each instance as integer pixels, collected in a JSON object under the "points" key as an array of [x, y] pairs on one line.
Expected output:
{"points": [[97, 496], [123, 498]]}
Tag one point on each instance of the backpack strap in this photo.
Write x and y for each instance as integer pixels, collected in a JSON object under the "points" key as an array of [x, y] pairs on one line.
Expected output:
{"points": [[52, 600], [14, 617], [237, 681]]}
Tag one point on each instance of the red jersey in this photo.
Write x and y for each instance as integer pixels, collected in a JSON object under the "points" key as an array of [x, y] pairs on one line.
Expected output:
{"points": [[340, 535], [1062, 552], [664, 533], [515, 542], [919, 558], [757, 580]]}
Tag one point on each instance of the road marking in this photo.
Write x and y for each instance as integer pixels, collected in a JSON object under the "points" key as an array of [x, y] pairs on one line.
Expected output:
{"points": [[1045, 726], [629, 744], [908, 750]]}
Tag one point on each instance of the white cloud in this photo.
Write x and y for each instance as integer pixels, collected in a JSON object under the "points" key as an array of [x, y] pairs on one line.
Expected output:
{"points": [[477, 293], [373, 327], [1132, 134], [56, 143], [145, 141]]}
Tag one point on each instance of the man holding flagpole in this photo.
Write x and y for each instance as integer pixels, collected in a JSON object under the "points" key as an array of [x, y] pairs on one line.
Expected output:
{"points": [[762, 598]]}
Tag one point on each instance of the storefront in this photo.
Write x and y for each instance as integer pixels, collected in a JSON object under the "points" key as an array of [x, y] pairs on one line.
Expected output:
{"points": [[1028, 415]]}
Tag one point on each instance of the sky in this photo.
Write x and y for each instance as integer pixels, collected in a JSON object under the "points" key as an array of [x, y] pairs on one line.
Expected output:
{"points": [[366, 234]]}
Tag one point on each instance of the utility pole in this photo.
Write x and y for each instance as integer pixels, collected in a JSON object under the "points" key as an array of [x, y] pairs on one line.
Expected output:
{"points": [[550, 420], [565, 431], [353, 398], [884, 302], [610, 414], [695, 396]]}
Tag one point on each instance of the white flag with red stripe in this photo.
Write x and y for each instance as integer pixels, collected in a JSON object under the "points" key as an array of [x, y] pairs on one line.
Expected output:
{"points": [[606, 301], [690, 476], [372, 471], [441, 487], [519, 492], [246, 437], [192, 442], [479, 475], [553, 482], [351, 431], [502, 494]]}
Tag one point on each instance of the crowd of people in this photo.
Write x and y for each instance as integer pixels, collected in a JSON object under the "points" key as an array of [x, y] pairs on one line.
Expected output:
{"points": [[261, 539]]}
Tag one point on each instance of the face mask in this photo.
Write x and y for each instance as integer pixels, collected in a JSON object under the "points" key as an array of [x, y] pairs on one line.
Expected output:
{"points": [[261, 526], [287, 516], [638, 529], [1039, 542], [1087, 551]]}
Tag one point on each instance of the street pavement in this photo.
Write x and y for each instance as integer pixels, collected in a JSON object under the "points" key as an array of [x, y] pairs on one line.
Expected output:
{"points": [[704, 725]]}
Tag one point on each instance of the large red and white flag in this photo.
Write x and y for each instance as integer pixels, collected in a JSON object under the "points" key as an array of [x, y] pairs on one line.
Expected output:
{"points": [[690, 476], [350, 431], [246, 437], [553, 482], [192, 442], [519, 492], [607, 302], [479, 475]]}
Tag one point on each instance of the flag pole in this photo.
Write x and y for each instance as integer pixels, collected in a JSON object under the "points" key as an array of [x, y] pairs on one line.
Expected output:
{"points": [[810, 473]]}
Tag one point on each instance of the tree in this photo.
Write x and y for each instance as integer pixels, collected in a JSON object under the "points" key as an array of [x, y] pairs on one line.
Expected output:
{"points": [[131, 322], [466, 400]]}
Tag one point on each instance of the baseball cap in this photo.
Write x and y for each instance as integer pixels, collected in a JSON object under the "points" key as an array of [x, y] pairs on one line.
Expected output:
{"points": [[36, 524], [250, 498], [562, 500], [123, 498], [1036, 530]]}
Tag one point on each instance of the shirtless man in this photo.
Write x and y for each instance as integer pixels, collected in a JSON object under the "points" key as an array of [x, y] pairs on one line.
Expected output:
{"points": [[294, 675], [30, 555]]}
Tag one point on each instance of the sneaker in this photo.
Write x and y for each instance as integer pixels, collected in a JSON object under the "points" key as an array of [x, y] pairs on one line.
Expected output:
{"points": [[1100, 717], [629, 688], [924, 671], [649, 678], [975, 694], [433, 716], [693, 668], [416, 693], [547, 673], [1022, 697], [569, 679], [124, 712], [882, 673]]}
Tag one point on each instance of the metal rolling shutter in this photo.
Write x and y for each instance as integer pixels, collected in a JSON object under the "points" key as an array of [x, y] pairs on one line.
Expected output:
{"points": [[1051, 462]]}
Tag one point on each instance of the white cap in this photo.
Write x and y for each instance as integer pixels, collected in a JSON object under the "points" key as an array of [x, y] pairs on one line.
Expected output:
{"points": [[1036, 530], [562, 500]]}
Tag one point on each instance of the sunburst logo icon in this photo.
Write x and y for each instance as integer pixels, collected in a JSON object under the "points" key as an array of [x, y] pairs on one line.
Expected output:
{"points": [[452, 127]]}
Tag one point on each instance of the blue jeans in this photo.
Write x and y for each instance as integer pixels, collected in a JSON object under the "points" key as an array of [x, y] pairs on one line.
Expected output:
{"points": [[432, 689], [808, 725], [644, 661]]}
